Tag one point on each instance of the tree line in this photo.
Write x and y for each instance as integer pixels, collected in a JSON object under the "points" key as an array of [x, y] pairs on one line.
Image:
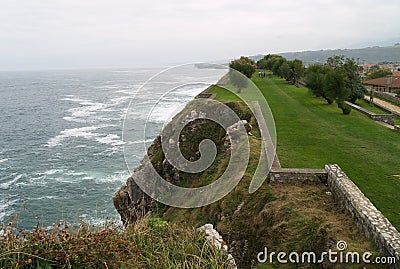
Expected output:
{"points": [[336, 81]]}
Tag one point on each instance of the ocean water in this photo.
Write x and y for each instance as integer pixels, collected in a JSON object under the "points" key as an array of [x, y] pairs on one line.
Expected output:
{"points": [[61, 148]]}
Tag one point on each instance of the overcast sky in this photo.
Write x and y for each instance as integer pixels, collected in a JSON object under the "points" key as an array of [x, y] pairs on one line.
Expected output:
{"points": [[53, 34]]}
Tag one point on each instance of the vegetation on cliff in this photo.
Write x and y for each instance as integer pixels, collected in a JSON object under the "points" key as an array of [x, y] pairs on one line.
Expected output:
{"points": [[149, 243]]}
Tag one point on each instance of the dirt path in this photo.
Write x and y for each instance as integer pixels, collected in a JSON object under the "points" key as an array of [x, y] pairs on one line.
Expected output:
{"points": [[389, 106]]}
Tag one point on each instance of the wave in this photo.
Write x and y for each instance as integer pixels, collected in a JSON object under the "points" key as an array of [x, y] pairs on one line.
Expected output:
{"points": [[46, 197], [87, 109], [8, 184], [110, 139], [139, 142], [6, 207], [72, 98], [82, 132], [50, 172], [3, 160], [73, 173]]}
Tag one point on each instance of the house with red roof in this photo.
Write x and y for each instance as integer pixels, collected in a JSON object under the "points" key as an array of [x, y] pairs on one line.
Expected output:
{"points": [[385, 84]]}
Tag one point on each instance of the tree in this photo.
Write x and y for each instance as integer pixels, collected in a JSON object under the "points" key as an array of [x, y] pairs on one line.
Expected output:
{"points": [[244, 65], [315, 80], [276, 63], [296, 71], [284, 71], [353, 81], [335, 61], [336, 81], [336, 89], [271, 62], [379, 73]]}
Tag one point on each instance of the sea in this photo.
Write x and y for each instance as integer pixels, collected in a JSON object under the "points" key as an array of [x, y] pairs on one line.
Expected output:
{"points": [[61, 142]]}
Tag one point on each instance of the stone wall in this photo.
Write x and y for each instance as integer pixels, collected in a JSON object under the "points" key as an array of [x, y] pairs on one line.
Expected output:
{"points": [[366, 215], [297, 176], [386, 118]]}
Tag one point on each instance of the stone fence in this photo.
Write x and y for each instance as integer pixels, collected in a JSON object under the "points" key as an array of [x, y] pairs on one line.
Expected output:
{"points": [[366, 215], [297, 176], [386, 118]]}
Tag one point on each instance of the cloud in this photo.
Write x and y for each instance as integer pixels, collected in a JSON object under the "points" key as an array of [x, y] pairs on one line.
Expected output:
{"points": [[104, 33]]}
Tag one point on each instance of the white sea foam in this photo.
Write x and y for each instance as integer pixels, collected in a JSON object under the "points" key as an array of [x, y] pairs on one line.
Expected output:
{"points": [[73, 173], [6, 207], [33, 181], [46, 197], [164, 111], [81, 146], [118, 177], [72, 98], [6, 185], [87, 109], [110, 139], [139, 142], [120, 100], [82, 132], [50, 172], [73, 119], [3, 160]]}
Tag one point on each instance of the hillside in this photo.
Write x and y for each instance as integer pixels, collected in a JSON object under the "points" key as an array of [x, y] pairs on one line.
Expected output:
{"points": [[364, 55]]}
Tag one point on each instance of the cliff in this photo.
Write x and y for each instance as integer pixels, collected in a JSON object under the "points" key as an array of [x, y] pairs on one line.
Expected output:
{"points": [[282, 217]]}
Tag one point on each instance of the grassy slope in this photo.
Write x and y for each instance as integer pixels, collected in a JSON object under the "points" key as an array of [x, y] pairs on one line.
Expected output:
{"points": [[312, 133]]}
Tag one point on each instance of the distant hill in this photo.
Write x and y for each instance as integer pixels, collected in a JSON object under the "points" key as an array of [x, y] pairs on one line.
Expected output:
{"points": [[365, 55]]}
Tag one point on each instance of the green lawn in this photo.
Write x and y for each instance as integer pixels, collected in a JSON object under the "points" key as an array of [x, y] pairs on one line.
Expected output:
{"points": [[311, 133]]}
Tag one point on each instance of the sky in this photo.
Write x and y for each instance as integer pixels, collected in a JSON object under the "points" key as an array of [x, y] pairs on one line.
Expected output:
{"points": [[67, 34]]}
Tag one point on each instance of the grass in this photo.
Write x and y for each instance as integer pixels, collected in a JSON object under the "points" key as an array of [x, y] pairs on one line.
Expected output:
{"points": [[150, 243], [311, 133]]}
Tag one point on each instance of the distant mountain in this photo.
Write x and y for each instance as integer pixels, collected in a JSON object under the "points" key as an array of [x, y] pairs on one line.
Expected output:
{"points": [[365, 55]]}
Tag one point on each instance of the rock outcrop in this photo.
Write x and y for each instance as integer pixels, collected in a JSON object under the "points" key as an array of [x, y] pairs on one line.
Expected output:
{"points": [[215, 239], [131, 202]]}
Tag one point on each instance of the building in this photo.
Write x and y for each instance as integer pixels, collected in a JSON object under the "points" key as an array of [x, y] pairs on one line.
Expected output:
{"points": [[389, 84]]}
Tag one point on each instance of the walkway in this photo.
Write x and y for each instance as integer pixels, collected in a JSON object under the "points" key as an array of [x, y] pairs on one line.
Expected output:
{"points": [[389, 106]]}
